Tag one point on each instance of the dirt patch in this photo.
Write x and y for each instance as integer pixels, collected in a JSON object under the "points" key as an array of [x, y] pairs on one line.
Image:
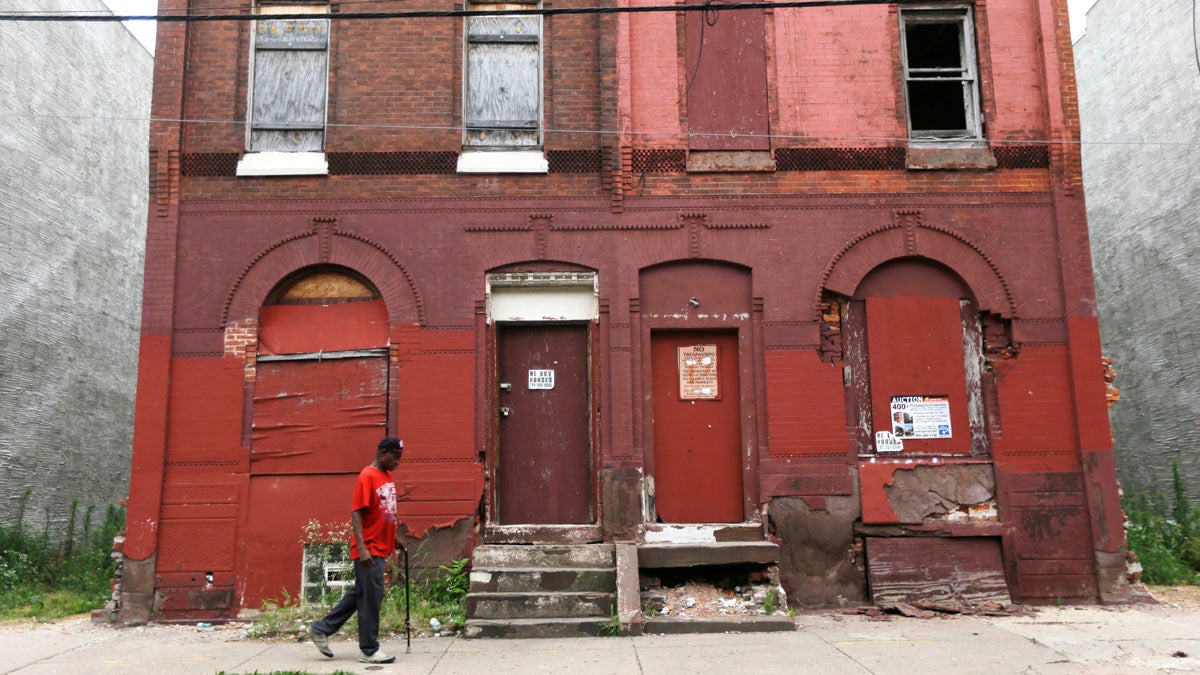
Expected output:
{"points": [[1183, 597]]}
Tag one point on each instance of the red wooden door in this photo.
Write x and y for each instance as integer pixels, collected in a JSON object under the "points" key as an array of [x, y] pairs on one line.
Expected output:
{"points": [[697, 434], [915, 347], [543, 469]]}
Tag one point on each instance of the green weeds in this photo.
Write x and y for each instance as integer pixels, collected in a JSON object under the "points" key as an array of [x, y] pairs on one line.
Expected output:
{"points": [[441, 595], [1166, 538], [49, 577]]}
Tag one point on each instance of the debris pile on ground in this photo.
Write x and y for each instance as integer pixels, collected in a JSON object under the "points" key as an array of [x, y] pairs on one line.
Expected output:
{"points": [[921, 609], [717, 593]]}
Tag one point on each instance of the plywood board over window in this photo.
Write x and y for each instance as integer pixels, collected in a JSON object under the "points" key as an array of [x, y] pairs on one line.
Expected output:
{"points": [[502, 105], [288, 95], [726, 81]]}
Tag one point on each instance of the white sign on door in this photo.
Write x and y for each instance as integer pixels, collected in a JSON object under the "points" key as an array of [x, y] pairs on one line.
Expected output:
{"points": [[541, 379]]}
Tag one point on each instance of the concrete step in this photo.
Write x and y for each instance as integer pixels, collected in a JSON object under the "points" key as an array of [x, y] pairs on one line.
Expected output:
{"points": [[539, 605], [651, 556], [494, 556], [535, 628], [526, 579]]}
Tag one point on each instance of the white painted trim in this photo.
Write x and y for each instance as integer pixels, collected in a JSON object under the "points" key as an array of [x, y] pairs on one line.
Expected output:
{"points": [[542, 296], [521, 161], [283, 164]]}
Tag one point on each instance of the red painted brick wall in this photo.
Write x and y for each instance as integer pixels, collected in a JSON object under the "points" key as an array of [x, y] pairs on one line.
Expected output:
{"points": [[217, 244]]}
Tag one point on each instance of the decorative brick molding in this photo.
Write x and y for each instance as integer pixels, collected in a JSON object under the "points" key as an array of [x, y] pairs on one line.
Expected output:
{"points": [[906, 237], [348, 249]]}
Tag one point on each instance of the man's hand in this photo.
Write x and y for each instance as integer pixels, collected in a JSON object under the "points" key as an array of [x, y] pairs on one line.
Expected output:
{"points": [[365, 557]]}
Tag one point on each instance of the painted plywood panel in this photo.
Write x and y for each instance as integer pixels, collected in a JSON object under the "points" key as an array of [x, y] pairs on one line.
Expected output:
{"points": [[966, 571], [318, 416], [304, 329], [727, 81], [915, 347]]}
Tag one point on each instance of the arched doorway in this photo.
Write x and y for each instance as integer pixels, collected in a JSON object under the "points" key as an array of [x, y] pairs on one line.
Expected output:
{"points": [[318, 404], [915, 353]]}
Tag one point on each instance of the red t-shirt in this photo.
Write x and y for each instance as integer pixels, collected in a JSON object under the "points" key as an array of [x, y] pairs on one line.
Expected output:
{"points": [[375, 497]]}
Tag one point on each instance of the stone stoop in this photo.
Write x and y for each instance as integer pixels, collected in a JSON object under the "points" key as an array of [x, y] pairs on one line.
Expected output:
{"points": [[520, 591]]}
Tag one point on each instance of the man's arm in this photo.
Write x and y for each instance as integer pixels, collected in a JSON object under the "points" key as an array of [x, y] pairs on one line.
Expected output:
{"points": [[364, 555]]}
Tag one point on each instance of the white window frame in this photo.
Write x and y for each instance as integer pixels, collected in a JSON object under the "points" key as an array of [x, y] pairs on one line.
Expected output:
{"points": [[968, 74], [260, 161], [482, 155]]}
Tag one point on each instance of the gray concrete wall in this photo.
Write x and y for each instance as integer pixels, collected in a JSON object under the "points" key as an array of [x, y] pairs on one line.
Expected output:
{"points": [[1139, 91], [74, 109]]}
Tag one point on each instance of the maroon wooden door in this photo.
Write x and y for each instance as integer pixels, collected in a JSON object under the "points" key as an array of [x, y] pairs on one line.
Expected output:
{"points": [[543, 468], [697, 433]]}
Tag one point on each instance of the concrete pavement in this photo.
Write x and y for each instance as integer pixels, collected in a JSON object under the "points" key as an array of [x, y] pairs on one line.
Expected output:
{"points": [[1054, 640]]}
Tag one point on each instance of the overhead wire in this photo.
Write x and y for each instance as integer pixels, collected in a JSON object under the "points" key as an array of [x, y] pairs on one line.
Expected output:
{"points": [[443, 13], [608, 132]]}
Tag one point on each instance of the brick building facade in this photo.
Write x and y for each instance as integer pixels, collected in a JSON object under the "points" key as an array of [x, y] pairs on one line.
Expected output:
{"points": [[649, 278]]}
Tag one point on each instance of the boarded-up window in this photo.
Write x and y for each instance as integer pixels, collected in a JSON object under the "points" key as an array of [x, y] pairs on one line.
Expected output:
{"points": [[291, 64], [941, 89], [502, 106], [727, 80]]}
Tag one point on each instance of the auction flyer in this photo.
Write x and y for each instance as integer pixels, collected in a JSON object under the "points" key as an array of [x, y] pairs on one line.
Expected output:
{"points": [[921, 416]]}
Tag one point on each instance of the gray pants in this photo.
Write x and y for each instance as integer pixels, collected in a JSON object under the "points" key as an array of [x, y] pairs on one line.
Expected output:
{"points": [[365, 598]]}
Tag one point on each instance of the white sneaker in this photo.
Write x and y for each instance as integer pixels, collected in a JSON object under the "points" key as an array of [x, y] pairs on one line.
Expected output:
{"points": [[377, 657]]}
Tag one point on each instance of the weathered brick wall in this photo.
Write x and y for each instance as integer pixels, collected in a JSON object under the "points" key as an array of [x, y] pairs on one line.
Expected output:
{"points": [[1138, 94], [72, 223]]}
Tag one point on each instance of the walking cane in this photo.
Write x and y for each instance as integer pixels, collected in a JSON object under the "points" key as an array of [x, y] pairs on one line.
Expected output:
{"points": [[407, 609]]}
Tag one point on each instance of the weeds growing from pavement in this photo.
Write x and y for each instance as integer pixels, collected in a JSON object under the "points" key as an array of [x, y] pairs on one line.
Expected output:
{"points": [[46, 576], [440, 596], [1166, 538]]}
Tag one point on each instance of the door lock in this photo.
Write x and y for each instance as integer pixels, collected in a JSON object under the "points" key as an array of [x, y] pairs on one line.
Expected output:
{"points": [[505, 411], [506, 386]]}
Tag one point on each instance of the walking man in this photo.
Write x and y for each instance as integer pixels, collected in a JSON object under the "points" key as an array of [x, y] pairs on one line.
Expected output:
{"points": [[373, 518]]}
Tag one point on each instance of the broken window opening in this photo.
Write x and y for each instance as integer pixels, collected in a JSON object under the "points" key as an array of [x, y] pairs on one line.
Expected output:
{"points": [[941, 88]]}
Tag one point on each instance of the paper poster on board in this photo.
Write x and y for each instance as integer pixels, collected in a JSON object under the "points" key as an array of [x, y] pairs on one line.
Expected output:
{"points": [[698, 372], [921, 416]]}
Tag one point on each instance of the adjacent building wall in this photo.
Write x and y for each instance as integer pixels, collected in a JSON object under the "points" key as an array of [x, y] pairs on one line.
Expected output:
{"points": [[75, 99], [1139, 85]]}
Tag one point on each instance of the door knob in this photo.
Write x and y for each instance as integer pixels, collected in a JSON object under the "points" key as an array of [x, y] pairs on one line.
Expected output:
{"points": [[505, 411]]}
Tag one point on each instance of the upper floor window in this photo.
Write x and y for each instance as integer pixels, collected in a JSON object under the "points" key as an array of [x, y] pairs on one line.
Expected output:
{"points": [[288, 87], [502, 95], [941, 85]]}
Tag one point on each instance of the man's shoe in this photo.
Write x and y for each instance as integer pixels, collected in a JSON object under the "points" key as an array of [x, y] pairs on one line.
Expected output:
{"points": [[321, 641], [377, 657]]}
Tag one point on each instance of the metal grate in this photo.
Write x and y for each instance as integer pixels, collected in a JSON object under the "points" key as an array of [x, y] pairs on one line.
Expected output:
{"points": [[659, 161], [1022, 157], [575, 161], [391, 163], [839, 159], [209, 164]]}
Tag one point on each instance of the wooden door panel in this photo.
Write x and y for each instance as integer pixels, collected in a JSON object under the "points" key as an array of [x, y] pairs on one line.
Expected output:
{"points": [[543, 469], [697, 468], [915, 348]]}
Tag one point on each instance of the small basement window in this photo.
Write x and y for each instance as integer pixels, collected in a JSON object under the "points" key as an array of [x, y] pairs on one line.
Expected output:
{"points": [[941, 87]]}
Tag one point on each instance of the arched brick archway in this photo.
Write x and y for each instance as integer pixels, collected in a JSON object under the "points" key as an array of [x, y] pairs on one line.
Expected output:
{"points": [[873, 248], [270, 266]]}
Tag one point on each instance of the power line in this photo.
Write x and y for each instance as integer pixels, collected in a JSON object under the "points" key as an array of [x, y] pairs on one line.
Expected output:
{"points": [[427, 14], [604, 132]]}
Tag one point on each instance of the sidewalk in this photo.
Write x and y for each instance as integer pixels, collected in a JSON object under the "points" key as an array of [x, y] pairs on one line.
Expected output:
{"points": [[1137, 639]]}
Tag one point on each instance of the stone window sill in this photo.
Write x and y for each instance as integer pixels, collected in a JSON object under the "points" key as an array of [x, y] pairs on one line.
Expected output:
{"points": [[518, 161], [948, 157], [729, 161], [283, 164]]}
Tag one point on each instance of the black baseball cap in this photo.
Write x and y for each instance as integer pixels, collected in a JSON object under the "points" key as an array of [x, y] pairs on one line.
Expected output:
{"points": [[392, 444]]}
